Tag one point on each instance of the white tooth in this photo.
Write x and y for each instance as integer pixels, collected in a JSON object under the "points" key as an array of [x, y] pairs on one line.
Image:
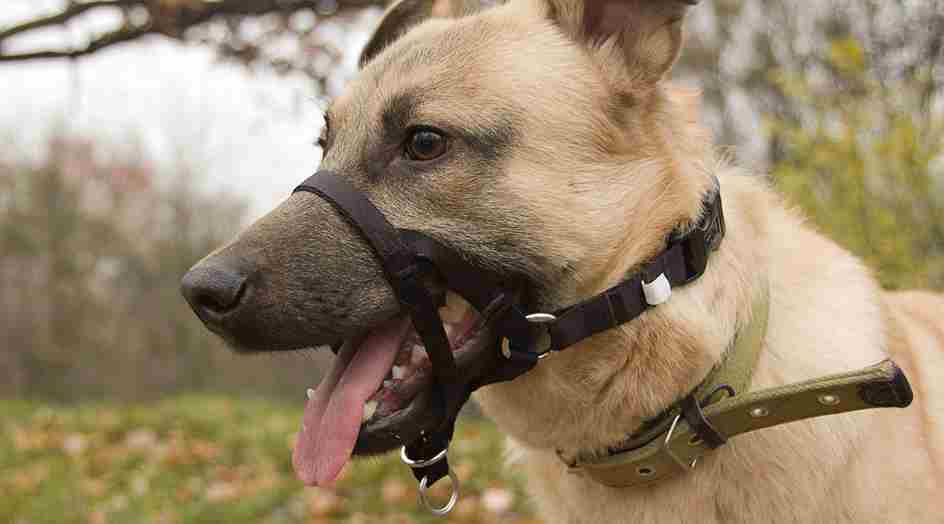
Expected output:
{"points": [[387, 383], [369, 409], [310, 393], [455, 308], [399, 372], [449, 329], [419, 355]]}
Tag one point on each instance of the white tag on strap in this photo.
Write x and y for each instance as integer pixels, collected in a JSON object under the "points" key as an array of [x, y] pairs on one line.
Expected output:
{"points": [[658, 291]]}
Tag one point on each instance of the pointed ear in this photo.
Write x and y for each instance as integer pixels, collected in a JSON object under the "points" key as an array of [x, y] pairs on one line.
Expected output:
{"points": [[646, 33], [402, 15]]}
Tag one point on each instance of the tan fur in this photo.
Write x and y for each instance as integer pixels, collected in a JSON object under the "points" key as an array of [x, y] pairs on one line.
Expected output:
{"points": [[827, 316], [596, 160]]}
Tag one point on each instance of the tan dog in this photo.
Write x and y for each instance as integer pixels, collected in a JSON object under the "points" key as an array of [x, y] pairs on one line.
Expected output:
{"points": [[539, 138]]}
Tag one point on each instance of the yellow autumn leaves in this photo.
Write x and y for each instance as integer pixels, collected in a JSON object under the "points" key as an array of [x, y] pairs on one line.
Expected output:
{"points": [[196, 459]]}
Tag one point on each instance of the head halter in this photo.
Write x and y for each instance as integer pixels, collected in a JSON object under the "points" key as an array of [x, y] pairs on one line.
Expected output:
{"points": [[407, 257]]}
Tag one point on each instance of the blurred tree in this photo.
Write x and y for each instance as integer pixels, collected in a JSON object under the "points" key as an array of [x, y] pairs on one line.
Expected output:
{"points": [[842, 102], [93, 242], [284, 34], [868, 167], [735, 45]]}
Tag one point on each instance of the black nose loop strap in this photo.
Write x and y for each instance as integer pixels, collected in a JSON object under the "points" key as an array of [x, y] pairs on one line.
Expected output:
{"points": [[405, 265], [369, 222], [403, 273]]}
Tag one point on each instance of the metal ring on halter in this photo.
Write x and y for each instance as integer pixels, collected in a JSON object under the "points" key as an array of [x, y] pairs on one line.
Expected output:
{"points": [[452, 499], [416, 464]]}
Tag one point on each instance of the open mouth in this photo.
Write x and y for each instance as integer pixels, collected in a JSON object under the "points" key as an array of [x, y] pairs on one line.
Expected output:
{"points": [[379, 394]]}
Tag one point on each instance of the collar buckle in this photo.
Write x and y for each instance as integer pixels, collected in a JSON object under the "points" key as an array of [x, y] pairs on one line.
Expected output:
{"points": [[667, 446], [705, 238]]}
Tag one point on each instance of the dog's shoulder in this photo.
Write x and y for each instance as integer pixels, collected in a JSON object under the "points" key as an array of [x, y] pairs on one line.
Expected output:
{"points": [[915, 340]]}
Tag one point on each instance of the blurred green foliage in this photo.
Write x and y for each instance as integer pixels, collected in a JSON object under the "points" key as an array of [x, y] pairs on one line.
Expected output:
{"points": [[843, 102], [867, 166], [197, 459]]}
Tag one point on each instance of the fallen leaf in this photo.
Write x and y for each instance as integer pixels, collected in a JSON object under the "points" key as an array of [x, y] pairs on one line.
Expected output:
{"points": [[322, 502], [221, 491], [395, 491], [74, 444], [141, 439], [98, 517], [497, 501]]}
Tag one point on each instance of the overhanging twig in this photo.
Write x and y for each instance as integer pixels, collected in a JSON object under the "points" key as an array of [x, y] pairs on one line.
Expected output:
{"points": [[169, 18]]}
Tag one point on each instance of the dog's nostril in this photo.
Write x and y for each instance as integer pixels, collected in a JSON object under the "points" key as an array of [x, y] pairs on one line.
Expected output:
{"points": [[215, 303], [213, 291]]}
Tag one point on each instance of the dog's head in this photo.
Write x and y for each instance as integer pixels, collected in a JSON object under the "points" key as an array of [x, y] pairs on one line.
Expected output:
{"points": [[535, 138]]}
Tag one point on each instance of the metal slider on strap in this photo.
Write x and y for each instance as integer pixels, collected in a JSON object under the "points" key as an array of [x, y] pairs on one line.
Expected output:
{"points": [[538, 346]]}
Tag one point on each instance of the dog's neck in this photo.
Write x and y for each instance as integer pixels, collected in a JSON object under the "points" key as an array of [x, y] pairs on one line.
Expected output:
{"points": [[607, 387], [732, 375]]}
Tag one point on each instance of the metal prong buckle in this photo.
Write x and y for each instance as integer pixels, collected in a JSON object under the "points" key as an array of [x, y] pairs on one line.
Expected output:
{"points": [[668, 449], [424, 483]]}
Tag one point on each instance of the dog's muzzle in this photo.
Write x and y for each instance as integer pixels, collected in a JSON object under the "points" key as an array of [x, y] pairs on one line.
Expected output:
{"points": [[408, 257]]}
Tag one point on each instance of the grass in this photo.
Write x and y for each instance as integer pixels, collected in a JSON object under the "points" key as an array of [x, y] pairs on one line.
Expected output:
{"points": [[199, 459]]}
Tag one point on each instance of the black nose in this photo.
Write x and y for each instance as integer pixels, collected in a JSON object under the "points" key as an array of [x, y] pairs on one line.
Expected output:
{"points": [[213, 290]]}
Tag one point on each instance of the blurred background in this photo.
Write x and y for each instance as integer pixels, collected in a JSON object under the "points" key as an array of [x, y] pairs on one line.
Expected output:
{"points": [[137, 135]]}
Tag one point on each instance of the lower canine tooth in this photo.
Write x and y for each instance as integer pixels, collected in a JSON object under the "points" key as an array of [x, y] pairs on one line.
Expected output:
{"points": [[310, 393], [369, 409]]}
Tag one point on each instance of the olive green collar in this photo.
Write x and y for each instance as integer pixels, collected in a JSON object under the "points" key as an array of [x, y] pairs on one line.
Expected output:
{"points": [[674, 442]]}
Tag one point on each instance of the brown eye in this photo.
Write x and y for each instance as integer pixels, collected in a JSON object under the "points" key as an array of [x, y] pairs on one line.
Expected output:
{"points": [[425, 144]]}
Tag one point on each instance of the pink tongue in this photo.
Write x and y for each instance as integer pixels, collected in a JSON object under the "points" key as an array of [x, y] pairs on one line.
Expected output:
{"points": [[333, 415]]}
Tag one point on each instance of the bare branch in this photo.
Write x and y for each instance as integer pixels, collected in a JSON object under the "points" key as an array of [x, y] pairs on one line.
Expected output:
{"points": [[171, 18], [106, 40], [72, 11]]}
